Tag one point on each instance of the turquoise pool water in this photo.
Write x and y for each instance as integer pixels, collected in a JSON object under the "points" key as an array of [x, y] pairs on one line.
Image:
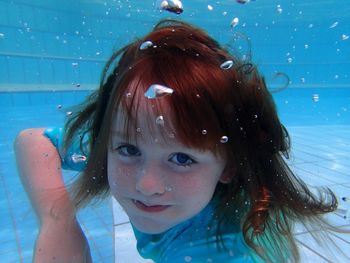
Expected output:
{"points": [[52, 52]]}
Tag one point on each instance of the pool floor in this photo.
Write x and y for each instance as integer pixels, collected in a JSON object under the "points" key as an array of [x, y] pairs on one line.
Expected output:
{"points": [[320, 156]]}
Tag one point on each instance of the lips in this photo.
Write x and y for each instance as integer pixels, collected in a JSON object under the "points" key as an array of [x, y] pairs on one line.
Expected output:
{"points": [[150, 208]]}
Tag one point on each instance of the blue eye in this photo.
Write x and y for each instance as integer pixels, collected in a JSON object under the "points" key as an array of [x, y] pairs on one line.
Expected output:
{"points": [[128, 150], [181, 159]]}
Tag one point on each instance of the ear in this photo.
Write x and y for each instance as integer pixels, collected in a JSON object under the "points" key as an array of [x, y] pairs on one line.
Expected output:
{"points": [[227, 175]]}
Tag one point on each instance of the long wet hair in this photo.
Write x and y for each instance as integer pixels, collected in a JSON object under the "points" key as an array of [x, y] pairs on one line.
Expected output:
{"points": [[223, 108]]}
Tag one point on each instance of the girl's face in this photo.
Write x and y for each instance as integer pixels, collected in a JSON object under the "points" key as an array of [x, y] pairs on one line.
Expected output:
{"points": [[160, 184]]}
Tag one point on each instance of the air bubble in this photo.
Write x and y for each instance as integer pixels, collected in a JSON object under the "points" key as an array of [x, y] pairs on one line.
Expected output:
{"points": [[157, 91], [344, 37], [290, 60], [242, 1], [69, 113], [168, 189], [204, 132], [75, 64], [172, 6], [224, 139], [279, 9], [306, 46], [2, 35], [227, 64], [234, 22], [315, 97], [160, 120], [78, 158], [59, 106], [210, 8], [146, 45], [188, 258], [334, 25]]}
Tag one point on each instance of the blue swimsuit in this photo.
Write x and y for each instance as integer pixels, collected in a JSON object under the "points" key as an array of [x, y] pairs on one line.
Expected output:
{"points": [[187, 242]]}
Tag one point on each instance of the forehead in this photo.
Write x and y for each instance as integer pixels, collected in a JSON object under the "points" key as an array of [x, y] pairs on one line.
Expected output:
{"points": [[140, 117]]}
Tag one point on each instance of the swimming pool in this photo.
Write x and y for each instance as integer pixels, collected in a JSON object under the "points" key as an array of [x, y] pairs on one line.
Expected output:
{"points": [[52, 52], [320, 156]]}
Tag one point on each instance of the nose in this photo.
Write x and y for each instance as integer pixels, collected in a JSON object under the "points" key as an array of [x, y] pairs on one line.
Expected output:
{"points": [[150, 180]]}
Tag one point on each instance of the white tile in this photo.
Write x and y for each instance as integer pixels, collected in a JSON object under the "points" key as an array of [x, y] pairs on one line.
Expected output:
{"points": [[125, 246], [340, 252], [308, 256]]}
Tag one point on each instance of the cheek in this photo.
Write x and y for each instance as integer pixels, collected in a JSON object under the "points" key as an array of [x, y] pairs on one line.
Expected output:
{"points": [[201, 184], [119, 176]]}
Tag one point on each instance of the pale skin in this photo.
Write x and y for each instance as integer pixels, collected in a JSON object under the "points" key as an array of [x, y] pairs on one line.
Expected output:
{"points": [[163, 174], [60, 237], [138, 172]]}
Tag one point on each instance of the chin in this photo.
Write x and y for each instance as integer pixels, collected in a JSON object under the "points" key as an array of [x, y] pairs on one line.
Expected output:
{"points": [[153, 228]]}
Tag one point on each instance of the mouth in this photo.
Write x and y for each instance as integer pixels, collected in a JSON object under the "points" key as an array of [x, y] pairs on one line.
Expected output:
{"points": [[150, 208]]}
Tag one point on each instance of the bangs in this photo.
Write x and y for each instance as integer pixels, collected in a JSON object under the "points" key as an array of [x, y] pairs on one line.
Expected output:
{"points": [[186, 116]]}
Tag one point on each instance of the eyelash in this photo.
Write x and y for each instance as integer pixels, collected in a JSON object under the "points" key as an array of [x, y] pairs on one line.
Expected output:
{"points": [[188, 159], [121, 150]]}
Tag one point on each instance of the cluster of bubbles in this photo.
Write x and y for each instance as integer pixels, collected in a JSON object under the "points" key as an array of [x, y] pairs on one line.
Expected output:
{"points": [[344, 208], [279, 9]]}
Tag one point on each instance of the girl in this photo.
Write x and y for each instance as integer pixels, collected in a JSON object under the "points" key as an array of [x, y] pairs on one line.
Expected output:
{"points": [[186, 137]]}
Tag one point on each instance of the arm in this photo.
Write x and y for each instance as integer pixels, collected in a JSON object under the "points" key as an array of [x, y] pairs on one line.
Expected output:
{"points": [[60, 237]]}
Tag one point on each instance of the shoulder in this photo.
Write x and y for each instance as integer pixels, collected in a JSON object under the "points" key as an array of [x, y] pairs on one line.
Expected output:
{"points": [[202, 249], [30, 137], [75, 156], [194, 241]]}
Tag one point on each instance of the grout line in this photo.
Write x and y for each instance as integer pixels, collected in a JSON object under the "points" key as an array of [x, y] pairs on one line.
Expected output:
{"points": [[109, 230], [14, 225], [121, 224], [90, 238]]}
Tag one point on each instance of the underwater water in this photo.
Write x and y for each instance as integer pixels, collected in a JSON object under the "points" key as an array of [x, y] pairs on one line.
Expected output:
{"points": [[52, 54]]}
